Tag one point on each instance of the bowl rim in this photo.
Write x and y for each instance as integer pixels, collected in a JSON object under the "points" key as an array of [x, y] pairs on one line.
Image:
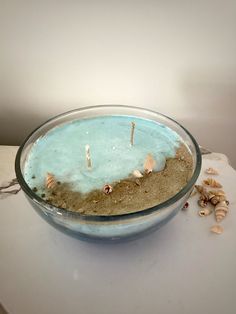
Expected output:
{"points": [[64, 212]]}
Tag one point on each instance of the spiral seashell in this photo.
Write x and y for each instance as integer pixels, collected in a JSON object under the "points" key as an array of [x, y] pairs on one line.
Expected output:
{"points": [[210, 195], [149, 163], [212, 183], [203, 198], [218, 192], [202, 203], [107, 189], [221, 210], [201, 189], [217, 229], [137, 174], [204, 195], [216, 199], [211, 171], [50, 181]]}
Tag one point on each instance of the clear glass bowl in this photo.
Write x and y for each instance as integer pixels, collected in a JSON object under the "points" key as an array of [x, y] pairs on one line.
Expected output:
{"points": [[118, 227]]}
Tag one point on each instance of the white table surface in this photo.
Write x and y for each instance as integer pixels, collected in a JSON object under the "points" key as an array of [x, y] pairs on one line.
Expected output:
{"points": [[181, 268]]}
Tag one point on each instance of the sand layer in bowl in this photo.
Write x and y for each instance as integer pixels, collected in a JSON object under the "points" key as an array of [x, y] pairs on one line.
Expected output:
{"points": [[128, 195]]}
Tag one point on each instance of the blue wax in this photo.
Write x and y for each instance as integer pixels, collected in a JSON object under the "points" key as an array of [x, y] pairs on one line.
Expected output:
{"points": [[62, 151]]}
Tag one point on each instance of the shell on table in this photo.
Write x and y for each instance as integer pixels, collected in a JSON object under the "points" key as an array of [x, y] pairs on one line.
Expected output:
{"points": [[204, 195], [211, 171], [217, 229], [210, 195], [50, 181], [212, 183], [149, 164], [218, 192], [216, 199], [216, 196], [204, 212], [221, 210], [201, 189], [202, 203]]}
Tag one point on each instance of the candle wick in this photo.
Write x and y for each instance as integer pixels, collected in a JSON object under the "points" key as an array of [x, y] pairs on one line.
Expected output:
{"points": [[132, 133], [88, 156]]}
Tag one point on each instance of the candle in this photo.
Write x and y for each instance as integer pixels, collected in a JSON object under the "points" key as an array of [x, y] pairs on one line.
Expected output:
{"points": [[86, 155]]}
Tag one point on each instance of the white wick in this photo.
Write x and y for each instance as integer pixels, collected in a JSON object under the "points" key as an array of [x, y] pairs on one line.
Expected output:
{"points": [[132, 133], [88, 157]]}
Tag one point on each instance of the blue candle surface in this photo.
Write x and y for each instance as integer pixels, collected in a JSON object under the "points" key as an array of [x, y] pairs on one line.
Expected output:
{"points": [[62, 151]]}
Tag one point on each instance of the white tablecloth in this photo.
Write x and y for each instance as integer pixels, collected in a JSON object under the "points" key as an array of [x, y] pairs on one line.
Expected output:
{"points": [[182, 268]]}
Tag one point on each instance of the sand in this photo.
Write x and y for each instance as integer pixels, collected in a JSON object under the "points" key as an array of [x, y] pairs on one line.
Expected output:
{"points": [[129, 195]]}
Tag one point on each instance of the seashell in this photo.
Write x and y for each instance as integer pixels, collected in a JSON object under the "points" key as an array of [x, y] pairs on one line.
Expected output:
{"points": [[211, 171], [218, 192], [216, 229], [216, 199], [204, 197], [149, 163], [221, 210], [107, 189], [220, 215], [50, 181], [210, 195], [186, 205], [202, 203], [204, 212], [137, 174], [212, 183], [201, 189]]}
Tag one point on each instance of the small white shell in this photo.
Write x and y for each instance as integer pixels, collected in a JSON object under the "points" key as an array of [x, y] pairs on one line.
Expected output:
{"points": [[149, 163], [211, 171], [204, 212], [216, 229], [137, 174]]}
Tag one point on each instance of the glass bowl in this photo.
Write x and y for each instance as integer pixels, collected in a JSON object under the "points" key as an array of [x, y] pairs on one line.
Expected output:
{"points": [[117, 227]]}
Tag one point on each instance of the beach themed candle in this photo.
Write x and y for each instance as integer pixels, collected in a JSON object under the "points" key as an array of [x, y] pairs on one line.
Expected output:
{"points": [[108, 164]]}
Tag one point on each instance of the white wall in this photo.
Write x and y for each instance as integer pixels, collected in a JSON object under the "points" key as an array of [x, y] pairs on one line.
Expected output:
{"points": [[177, 57]]}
